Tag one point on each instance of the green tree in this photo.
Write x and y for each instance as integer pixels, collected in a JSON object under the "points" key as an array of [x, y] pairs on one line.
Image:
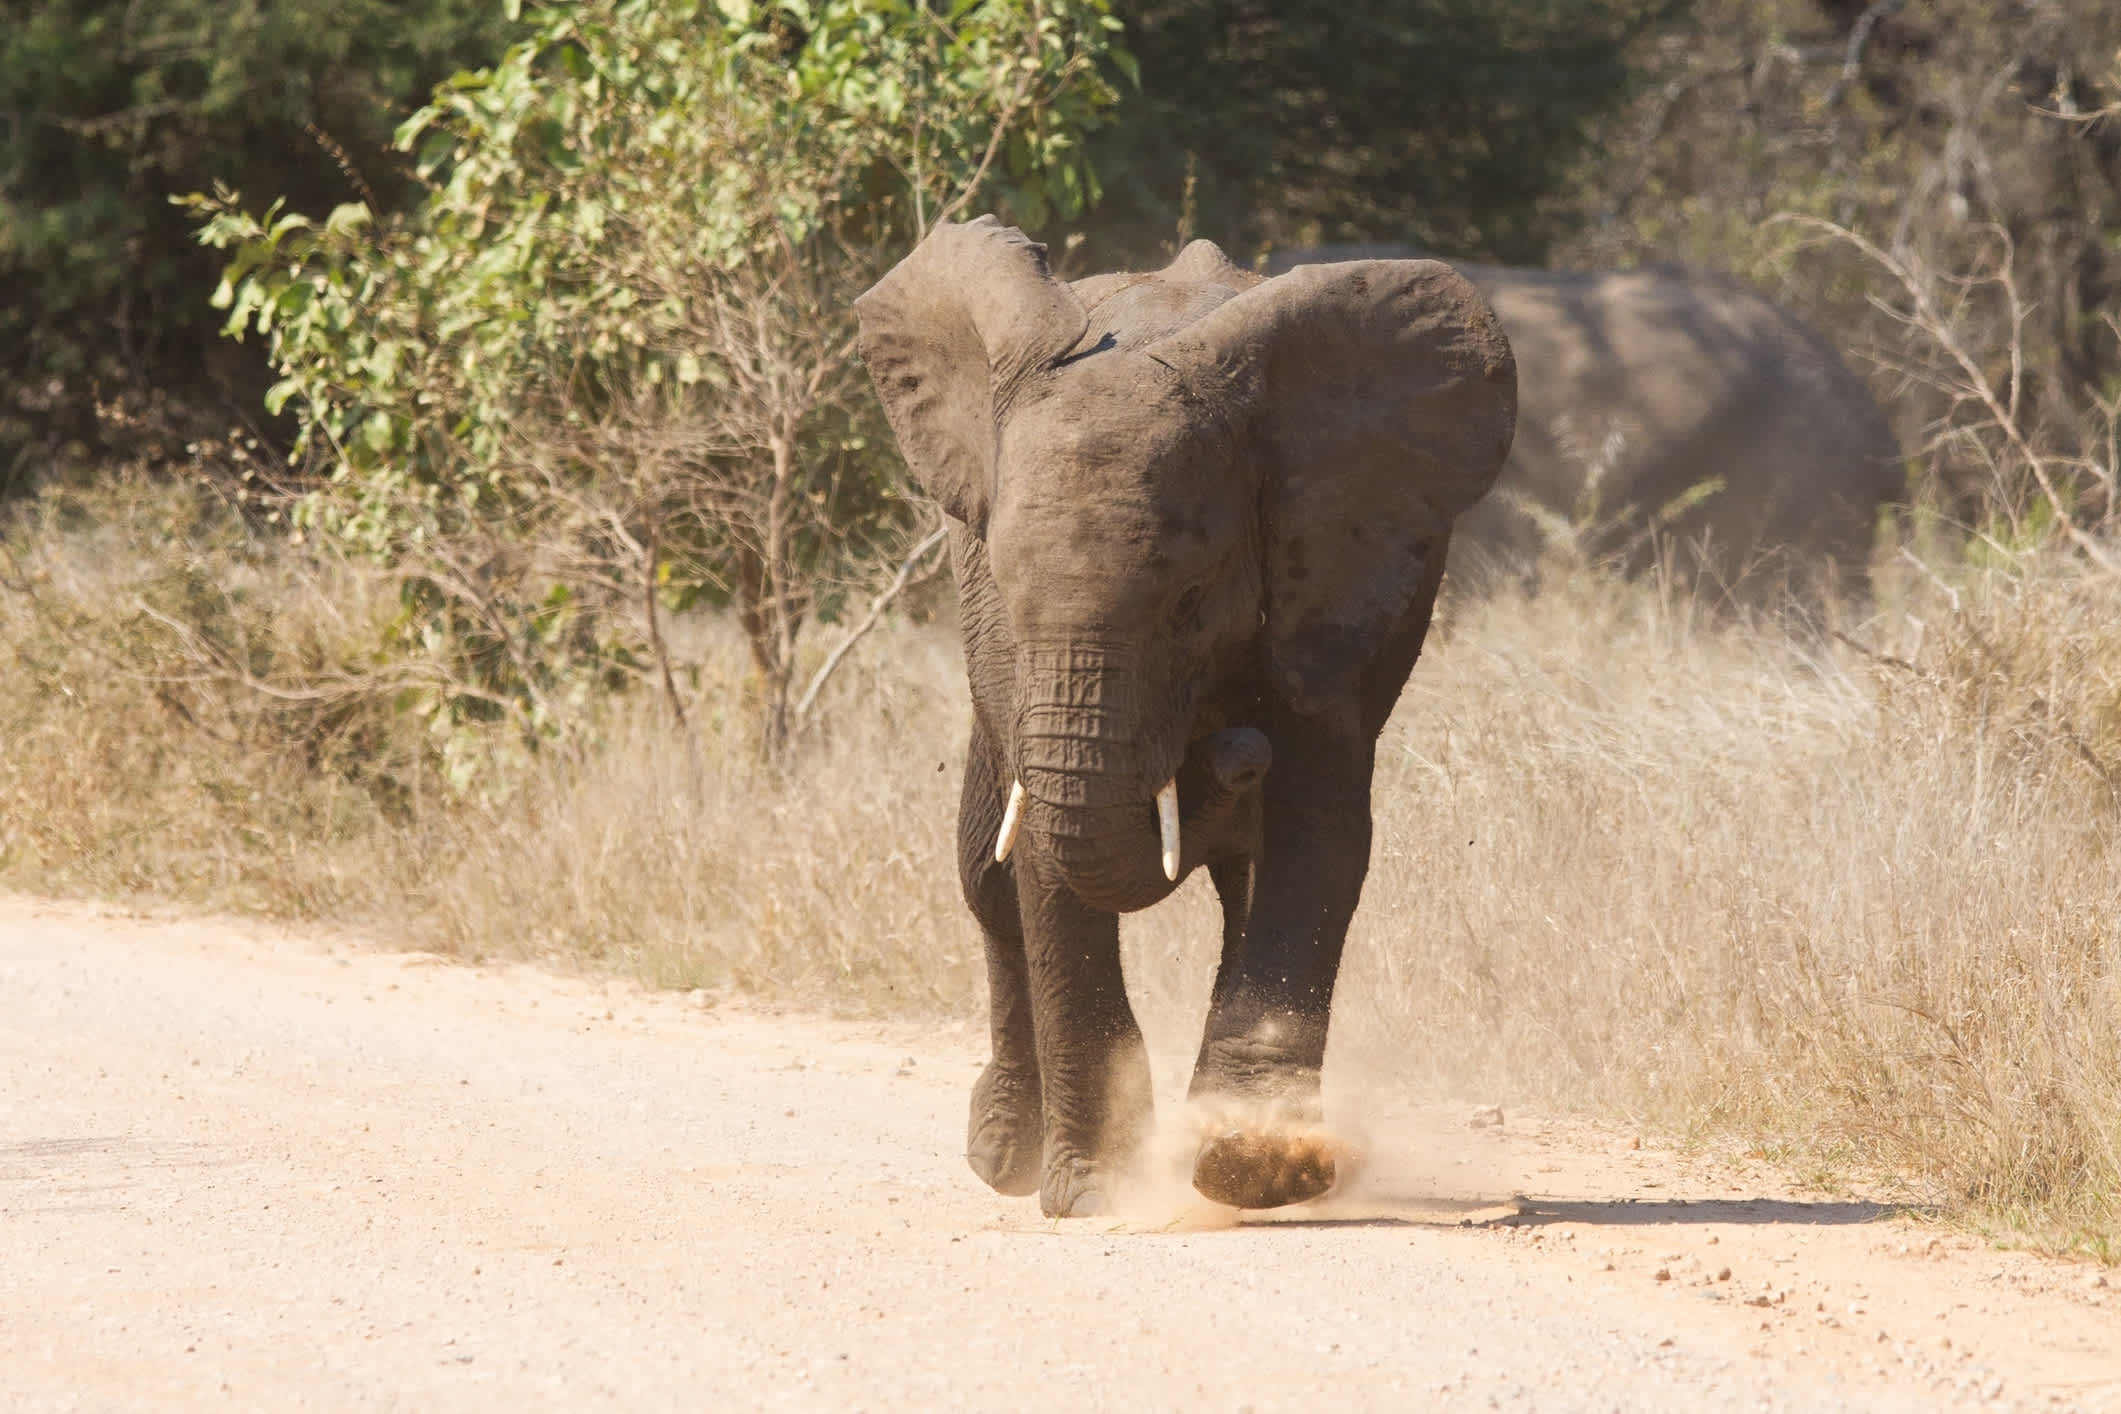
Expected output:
{"points": [[107, 106], [1452, 123], [607, 368]]}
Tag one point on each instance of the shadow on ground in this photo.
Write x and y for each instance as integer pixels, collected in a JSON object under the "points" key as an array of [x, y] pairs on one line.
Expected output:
{"points": [[1385, 1210]]}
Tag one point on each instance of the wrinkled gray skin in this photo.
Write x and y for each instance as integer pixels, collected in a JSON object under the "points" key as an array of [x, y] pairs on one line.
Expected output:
{"points": [[1199, 524], [1640, 386]]}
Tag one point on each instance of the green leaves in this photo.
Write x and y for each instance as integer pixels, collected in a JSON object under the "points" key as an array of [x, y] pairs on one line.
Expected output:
{"points": [[649, 216], [111, 106]]}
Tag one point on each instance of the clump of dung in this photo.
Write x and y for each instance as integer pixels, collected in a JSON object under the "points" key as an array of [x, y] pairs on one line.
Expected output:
{"points": [[1264, 1154], [1208, 1161], [1266, 1168]]}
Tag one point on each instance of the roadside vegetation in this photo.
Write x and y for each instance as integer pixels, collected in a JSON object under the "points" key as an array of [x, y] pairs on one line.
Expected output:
{"points": [[564, 601], [1854, 905]]}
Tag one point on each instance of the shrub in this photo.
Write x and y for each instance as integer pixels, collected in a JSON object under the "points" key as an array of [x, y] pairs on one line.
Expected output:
{"points": [[607, 369]]}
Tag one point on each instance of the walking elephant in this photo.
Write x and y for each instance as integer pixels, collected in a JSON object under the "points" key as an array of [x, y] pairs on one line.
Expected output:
{"points": [[1659, 404], [1198, 524]]}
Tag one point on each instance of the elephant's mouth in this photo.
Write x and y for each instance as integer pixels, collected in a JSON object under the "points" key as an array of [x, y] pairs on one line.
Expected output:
{"points": [[1126, 855]]}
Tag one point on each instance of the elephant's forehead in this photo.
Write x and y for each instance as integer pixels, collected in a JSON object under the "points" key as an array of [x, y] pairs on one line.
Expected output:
{"points": [[1142, 312], [1121, 417], [1085, 476]]}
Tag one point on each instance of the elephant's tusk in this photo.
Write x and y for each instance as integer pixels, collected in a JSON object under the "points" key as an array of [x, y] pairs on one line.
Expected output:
{"points": [[1011, 819], [1167, 826]]}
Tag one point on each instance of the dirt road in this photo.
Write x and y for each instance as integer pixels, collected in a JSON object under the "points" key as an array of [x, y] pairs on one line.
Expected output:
{"points": [[244, 1170]]}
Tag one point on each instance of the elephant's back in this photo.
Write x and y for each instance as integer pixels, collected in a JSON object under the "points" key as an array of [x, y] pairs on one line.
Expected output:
{"points": [[1677, 348], [1643, 388], [1684, 349]]}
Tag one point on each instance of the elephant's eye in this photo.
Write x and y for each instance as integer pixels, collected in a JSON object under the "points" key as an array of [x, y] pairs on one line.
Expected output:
{"points": [[1188, 605]]}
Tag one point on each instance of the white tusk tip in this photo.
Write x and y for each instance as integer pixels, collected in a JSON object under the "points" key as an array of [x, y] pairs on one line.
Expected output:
{"points": [[1167, 827], [1012, 819]]}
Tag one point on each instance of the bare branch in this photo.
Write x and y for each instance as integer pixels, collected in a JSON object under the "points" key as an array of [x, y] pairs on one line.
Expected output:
{"points": [[2003, 413], [883, 600], [1852, 59]]}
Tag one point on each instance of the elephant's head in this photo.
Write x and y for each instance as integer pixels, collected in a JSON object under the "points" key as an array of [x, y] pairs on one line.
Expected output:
{"points": [[1192, 487]]}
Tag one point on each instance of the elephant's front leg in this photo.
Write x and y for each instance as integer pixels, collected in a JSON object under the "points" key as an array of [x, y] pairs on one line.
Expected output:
{"points": [[1265, 1040], [1004, 1132], [1093, 1065]]}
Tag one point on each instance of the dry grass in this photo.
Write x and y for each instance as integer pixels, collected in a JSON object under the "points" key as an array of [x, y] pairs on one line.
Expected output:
{"points": [[1861, 906], [1718, 878], [131, 766]]}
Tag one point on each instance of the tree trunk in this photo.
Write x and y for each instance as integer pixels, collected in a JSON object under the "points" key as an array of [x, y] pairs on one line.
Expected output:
{"points": [[781, 606]]}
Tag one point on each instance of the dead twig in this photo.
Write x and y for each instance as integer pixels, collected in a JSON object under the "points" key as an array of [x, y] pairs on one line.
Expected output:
{"points": [[891, 591]]}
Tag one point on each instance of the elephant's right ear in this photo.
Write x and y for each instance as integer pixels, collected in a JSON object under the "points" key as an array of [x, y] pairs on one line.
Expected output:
{"points": [[950, 337]]}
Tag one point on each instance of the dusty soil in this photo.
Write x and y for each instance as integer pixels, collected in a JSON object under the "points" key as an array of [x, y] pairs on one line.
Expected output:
{"points": [[241, 1169]]}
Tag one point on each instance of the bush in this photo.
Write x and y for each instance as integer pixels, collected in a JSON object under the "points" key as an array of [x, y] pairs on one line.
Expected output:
{"points": [[607, 369], [114, 105]]}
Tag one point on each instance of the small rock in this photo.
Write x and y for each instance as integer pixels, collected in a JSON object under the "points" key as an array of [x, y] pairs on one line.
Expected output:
{"points": [[1485, 1117], [1723, 1274], [2095, 1280], [1663, 1274], [699, 999]]}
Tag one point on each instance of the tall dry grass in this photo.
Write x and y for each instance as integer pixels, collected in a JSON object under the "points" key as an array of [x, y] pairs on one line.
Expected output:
{"points": [[189, 711], [1858, 899]]}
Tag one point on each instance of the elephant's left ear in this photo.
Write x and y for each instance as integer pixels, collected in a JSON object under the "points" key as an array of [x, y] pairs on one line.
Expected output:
{"points": [[1381, 396]]}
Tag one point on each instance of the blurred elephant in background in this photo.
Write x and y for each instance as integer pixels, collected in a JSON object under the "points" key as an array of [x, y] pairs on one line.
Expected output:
{"points": [[1663, 405], [1198, 523]]}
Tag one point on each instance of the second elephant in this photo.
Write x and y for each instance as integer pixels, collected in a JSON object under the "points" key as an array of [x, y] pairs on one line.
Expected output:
{"points": [[1664, 404]]}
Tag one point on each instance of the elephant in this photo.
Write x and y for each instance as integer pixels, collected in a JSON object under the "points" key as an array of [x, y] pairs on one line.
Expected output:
{"points": [[1665, 404], [1198, 521]]}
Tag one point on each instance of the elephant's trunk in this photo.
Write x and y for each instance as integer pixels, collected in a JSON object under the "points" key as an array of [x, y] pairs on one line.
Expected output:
{"points": [[1093, 771]]}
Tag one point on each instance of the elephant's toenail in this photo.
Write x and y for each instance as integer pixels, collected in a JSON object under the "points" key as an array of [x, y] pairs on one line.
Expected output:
{"points": [[1089, 1203]]}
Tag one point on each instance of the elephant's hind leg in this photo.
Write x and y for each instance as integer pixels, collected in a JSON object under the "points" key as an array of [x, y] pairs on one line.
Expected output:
{"points": [[1003, 1133]]}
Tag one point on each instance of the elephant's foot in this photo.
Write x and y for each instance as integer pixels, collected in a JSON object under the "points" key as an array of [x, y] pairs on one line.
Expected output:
{"points": [[1264, 1168], [1077, 1188], [1090, 1155], [1003, 1135], [1266, 1146]]}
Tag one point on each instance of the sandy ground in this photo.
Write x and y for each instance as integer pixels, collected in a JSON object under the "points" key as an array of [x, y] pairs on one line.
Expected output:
{"points": [[241, 1169]]}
